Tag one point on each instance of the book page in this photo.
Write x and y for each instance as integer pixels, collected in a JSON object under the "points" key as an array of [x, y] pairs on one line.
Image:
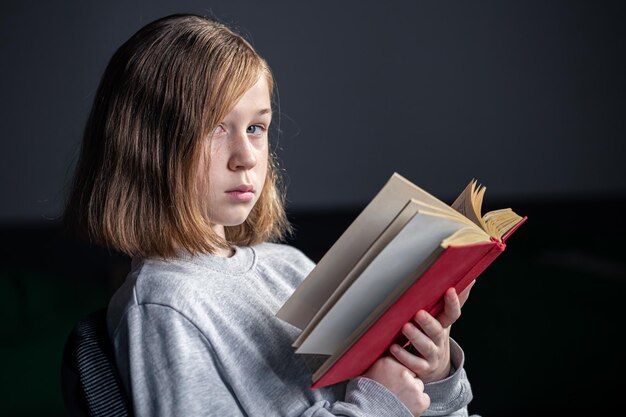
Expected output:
{"points": [[496, 223], [376, 314], [398, 260], [452, 214], [469, 203], [339, 260], [499, 222], [390, 232], [466, 236]]}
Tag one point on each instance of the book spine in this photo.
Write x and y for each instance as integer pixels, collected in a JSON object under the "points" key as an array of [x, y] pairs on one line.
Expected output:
{"points": [[450, 270]]}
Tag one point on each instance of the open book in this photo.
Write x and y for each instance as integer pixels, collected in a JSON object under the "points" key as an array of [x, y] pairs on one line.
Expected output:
{"points": [[400, 255]]}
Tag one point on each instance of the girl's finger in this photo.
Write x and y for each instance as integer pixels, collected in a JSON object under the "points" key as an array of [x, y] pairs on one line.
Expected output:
{"points": [[463, 296], [413, 362], [432, 328], [422, 344], [451, 310]]}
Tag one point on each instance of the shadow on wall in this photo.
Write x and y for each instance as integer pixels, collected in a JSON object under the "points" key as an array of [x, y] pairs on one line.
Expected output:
{"points": [[538, 332]]}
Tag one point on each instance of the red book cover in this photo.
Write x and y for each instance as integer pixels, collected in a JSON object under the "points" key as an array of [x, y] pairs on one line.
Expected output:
{"points": [[456, 267]]}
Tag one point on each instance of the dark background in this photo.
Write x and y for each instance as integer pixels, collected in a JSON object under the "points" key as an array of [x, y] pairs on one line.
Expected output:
{"points": [[527, 97]]}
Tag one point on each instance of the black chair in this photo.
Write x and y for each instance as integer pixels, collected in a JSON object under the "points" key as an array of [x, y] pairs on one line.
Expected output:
{"points": [[90, 383]]}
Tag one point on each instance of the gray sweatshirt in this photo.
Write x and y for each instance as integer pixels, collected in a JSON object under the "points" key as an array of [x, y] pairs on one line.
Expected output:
{"points": [[198, 336]]}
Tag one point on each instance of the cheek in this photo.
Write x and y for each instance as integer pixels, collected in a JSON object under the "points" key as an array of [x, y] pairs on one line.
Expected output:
{"points": [[263, 166], [206, 172]]}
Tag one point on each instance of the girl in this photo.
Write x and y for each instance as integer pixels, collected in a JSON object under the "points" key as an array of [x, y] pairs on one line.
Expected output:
{"points": [[175, 171]]}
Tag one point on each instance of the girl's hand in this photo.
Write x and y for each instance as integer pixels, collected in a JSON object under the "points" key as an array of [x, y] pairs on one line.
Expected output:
{"points": [[431, 339], [402, 382]]}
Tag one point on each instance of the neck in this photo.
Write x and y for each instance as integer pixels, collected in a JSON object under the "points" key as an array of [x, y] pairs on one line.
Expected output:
{"points": [[224, 253]]}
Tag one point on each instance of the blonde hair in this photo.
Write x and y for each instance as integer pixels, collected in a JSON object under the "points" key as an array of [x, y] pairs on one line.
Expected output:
{"points": [[161, 94]]}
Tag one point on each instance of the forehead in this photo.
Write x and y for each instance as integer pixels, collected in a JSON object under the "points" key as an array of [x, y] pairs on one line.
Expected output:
{"points": [[255, 100]]}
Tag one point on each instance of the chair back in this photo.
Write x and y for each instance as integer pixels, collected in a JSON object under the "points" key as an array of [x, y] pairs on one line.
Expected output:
{"points": [[90, 382]]}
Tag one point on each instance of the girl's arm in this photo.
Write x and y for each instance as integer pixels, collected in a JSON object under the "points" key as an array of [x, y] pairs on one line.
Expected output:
{"points": [[165, 364], [170, 368]]}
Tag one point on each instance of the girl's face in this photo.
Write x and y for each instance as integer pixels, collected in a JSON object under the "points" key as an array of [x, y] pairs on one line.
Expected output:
{"points": [[238, 159]]}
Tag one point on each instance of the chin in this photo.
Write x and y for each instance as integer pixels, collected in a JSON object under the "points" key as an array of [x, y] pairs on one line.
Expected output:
{"points": [[231, 215], [235, 223], [235, 220]]}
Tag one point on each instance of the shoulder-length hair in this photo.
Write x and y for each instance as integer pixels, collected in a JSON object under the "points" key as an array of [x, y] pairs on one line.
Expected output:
{"points": [[161, 94]]}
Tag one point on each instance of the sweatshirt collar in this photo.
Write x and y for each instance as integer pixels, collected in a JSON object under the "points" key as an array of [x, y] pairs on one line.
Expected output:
{"points": [[240, 262]]}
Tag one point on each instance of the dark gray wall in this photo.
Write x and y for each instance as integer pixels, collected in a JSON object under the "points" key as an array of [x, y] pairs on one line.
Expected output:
{"points": [[528, 97]]}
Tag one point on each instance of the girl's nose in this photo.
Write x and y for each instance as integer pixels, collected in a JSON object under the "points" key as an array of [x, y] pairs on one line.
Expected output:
{"points": [[242, 156]]}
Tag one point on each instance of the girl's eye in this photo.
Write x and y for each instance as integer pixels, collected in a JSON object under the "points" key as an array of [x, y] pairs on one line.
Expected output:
{"points": [[255, 130]]}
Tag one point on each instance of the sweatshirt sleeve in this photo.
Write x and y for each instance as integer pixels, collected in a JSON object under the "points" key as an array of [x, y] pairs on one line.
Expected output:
{"points": [[170, 369], [166, 361], [450, 396], [169, 366], [365, 397]]}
